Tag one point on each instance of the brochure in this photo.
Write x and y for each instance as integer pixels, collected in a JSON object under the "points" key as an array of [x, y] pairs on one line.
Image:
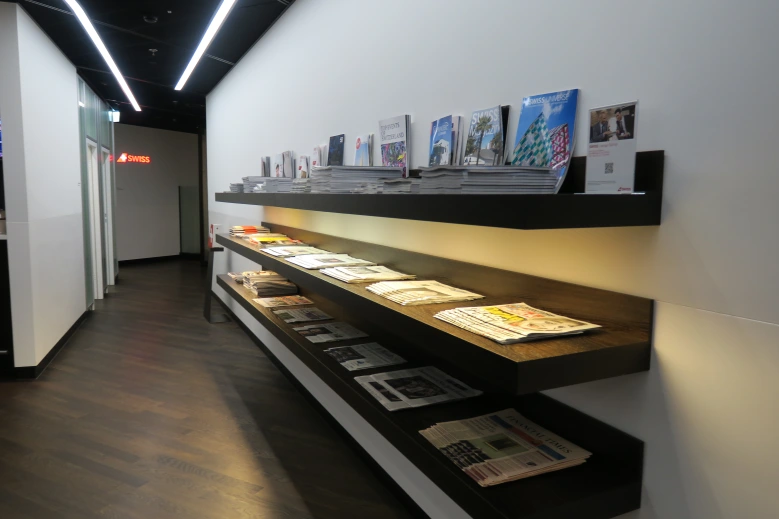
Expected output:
{"points": [[364, 356], [442, 142], [301, 315], [611, 154], [320, 261], [415, 387], [330, 332], [303, 167], [274, 302], [365, 274]]}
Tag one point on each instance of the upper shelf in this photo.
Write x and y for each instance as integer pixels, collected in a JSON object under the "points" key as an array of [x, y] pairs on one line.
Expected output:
{"points": [[621, 347], [561, 211]]}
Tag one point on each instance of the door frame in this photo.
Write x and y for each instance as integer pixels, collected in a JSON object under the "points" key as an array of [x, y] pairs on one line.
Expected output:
{"points": [[108, 216], [95, 218]]}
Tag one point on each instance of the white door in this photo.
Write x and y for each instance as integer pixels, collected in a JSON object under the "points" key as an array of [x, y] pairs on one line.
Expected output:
{"points": [[95, 220], [108, 218]]}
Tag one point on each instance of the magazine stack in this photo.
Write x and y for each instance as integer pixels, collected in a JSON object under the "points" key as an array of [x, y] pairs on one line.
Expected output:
{"points": [[320, 179], [251, 183], [272, 240], [421, 292], [508, 324], [275, 185], [417, 387], [503, 446], [488, 180], [236, 188], [301, 185], [244, 230], [365, 274], [322, 261], [276, 302], [401, 186], [265, 283], [355, 179]]}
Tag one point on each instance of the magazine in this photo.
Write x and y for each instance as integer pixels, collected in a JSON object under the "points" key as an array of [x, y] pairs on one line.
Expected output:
{"points": [[303, 167], [415, 387], [315, 158], [611, 154], [301, 315], [364, 356], [363, 150], [321, 261], [277, 168], [275, 302], [545, 132], [486, 137], [335, 153], [444, 141], [394, 142], [365, 274], [503, 446], [508, 324], [294, 250], [329, 332], [421, 292]]}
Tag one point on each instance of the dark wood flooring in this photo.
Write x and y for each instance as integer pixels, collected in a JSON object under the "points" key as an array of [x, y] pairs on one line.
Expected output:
{"points": [[149, 412]]}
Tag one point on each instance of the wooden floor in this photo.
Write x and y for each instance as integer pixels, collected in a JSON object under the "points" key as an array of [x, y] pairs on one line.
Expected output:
{"points": [[151, 413]]}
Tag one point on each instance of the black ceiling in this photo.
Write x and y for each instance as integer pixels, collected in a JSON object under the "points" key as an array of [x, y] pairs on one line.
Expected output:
{"points": [[152, 75]]}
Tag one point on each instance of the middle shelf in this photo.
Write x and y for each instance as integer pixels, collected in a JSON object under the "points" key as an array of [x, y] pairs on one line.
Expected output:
{"points": [[621, 347]]}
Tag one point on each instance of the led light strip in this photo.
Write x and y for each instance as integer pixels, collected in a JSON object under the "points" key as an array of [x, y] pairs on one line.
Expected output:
{"points": [[82, 17], [213, 27]]}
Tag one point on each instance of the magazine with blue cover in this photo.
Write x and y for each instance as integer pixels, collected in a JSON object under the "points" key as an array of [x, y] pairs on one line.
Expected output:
{"points": [[545, 133], [441, 145], [484, 144]]}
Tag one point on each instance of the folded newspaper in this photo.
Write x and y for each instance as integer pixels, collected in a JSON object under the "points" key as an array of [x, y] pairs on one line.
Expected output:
{"points": [[321, 261], [508, 324], [329, 332], [364, 356], [301, 315], [421, 292], [365, 274], [415, 387], [284, 251], [503, 446], [274, 302]]}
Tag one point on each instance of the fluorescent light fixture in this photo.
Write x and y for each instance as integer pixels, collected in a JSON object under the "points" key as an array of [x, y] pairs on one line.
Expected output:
{"points": [[82, 17], [213, 27], [114, 116]]}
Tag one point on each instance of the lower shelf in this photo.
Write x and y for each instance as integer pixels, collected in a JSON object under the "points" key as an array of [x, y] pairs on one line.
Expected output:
{"points": [[608, 485]]}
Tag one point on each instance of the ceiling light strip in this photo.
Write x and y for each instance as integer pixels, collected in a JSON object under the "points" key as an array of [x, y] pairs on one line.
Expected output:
{"points": [[213, 28], [82, 17]]}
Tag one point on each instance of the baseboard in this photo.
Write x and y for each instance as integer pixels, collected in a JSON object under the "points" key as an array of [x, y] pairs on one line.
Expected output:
{"points": [[33, 372], [396, 490], [156, 259]]}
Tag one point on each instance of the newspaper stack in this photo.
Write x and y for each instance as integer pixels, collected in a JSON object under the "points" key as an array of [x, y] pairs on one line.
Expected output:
{"points": [[508, 324], [364, 356], [360, 179], [301, 315], [321, 261], [329, 332], [236, 188], [421, 292], [503, 446], [401, 186], [275, 302], [415, 387], [266, 283], [249, 183], [487, 180], [365, 274], [319, 179], [294, 250]]}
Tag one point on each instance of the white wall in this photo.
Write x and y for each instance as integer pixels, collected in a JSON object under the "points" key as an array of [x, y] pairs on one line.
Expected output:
{"points": [[38, 104], [147, 195], [695, 66]]}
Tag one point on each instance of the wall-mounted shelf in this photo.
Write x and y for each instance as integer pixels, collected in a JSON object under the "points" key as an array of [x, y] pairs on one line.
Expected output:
{"points": [[608, 485], [564, 210], [621, 347]]}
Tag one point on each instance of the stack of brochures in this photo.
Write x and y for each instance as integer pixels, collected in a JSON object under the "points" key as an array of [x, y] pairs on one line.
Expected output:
{"points": [[421, 292], [490, 180], [353, 179], [401, 186], [301, 315], [364, 356], [294, 250], [275, 302], [322, 261], [507, 324], [365, 274], [266, 283], [415, 387], [503, 446], [244, 230], [235, 276], [329, 332], [274, 185], [249, 183]]}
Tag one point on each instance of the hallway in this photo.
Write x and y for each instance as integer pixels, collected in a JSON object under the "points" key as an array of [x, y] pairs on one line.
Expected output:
{"points": [[150, 413]]}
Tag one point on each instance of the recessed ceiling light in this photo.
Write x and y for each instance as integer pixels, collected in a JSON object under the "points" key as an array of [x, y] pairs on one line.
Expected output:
{"points": [[213, 27], [82, 17]]}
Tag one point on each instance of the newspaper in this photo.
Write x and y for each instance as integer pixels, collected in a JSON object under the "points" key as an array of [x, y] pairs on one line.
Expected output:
{"points": [[503, 446], [321, 261], [508, 324], [365, 274], [364, 356], [274, 302], [301, 315], [421, 292], [415, 387], [330, 332], [284, 251]]}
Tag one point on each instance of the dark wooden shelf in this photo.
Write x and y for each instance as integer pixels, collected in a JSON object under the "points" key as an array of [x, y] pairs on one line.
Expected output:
{"points": [[621, 347], [608, 485], [562, 211]]}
